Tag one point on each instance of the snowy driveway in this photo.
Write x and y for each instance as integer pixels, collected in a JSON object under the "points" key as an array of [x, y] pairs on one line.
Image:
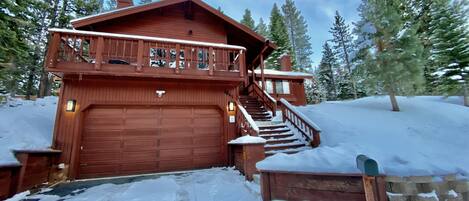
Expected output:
{"points": [[216, 184]]}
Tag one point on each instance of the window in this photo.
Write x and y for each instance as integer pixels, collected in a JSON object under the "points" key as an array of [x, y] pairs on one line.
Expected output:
{"points": [[157, 57], [269, 87], [282, 87]]}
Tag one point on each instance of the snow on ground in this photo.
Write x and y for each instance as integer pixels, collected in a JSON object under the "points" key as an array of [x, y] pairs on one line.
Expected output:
{"points": [[26, 125], [428, 137], [208, 185]]}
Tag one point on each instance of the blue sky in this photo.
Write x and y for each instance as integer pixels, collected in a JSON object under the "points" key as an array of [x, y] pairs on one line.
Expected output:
{"points": [[319, 15]]}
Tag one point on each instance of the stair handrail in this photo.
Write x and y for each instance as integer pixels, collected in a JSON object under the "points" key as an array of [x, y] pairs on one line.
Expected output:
{"points": [[303, 124], [245, 122], [264, 97]]}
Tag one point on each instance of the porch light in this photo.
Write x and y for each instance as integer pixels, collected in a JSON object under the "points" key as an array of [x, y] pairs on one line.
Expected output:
{"points": [[231, 106], [71, 105]]}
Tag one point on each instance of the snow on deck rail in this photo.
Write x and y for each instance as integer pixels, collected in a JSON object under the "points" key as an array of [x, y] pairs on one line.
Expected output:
{"points": [[299, 114], [147, 38], [249, 119]]}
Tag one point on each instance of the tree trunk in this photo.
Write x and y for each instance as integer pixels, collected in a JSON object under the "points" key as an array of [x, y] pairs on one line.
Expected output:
{"points": [[29, 84], [347, 62], [392, 96]]}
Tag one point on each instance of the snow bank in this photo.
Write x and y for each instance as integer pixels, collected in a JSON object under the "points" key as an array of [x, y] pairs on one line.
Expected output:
{"points": [[209, 185], [428, 137], [26, 125], [247, 139]]}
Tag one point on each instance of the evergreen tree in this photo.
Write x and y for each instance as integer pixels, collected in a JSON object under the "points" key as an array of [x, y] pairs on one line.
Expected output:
{"points": [[297, 31], [343, 46], [450, 39], [315, 92], [261, 28], [396, 62], [247, 19], [278, 35], [325, 72]]}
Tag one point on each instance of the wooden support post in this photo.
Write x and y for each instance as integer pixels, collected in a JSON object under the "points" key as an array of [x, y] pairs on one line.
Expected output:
{"points": [[210, 61], [52, 53], [187, 58], [178, 51], [140, 56], [262, 71], [99, 53], [241, 65]]}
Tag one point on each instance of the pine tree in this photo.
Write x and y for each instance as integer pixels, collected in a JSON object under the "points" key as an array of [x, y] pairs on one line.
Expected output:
{"points": [[396, 63], [343, 46], [326, 70], [450, 39], [261, 28], [278, 35], [297, 31], [315, 92], [247, 19]]}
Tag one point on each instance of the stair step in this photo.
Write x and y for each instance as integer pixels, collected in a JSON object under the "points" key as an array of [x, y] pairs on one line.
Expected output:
{"points": [[276, 130], [277, 135], [286, 151], [281, 141], [265, 127], [283, 146]]}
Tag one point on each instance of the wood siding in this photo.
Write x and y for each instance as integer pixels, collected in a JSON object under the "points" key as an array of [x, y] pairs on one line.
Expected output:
{"points": [[308, 186], [89, 93], [169, 22]]}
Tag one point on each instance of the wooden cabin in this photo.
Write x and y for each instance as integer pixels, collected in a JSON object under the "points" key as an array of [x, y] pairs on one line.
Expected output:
{"points": [[284, 83], [154, 88]]}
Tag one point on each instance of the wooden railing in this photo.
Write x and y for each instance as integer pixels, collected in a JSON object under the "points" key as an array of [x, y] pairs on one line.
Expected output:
{"points": [[245, 123], [264, 97], [302, 123], [86, 51]]}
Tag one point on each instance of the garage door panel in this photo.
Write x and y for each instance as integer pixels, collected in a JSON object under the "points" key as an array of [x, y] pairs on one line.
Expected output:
{"points": [[207, 141], [101, 134], [207, 151], [139, 145], [207, 131], [134, 140], [99, 157], [166, 154], [137, 168], [139, 156], [174, 142], [175, 122]]}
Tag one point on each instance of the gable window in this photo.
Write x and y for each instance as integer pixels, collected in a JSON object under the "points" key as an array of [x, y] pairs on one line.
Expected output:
{"points": [[282, 87]]}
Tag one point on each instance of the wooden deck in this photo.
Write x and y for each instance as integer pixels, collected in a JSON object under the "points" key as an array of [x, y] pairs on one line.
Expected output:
{"points": [[99, 53]]}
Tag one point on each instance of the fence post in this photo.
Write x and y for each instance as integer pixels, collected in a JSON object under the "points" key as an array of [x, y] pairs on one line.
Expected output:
{"points": [[210, 61], [373, 183], [178, 49]]}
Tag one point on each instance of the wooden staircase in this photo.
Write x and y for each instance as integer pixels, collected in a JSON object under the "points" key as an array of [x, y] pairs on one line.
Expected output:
{"points": [[255, 108], [280, 138]]}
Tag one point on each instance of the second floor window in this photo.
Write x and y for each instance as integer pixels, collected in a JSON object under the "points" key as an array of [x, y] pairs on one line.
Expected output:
{"points": [[282, 87]]}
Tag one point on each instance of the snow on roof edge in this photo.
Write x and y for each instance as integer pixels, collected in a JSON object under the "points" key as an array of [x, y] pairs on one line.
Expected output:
{"points": [[138, 37], [283, 73]]}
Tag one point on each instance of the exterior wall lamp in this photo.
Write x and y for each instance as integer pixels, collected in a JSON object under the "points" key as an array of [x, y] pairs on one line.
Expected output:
{"points": [[231, 106], [71, 105]]}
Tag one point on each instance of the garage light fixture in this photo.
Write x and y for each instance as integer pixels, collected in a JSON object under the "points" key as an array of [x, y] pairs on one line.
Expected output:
{"points": [[231, 106], [71, 104]]}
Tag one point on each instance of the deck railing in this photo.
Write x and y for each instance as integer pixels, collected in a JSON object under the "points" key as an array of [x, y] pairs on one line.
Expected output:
{"points": [[264, 97], [305, 126], [121, 53], [246, 124]]}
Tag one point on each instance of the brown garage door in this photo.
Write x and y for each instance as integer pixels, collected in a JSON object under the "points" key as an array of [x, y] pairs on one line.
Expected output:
{"points": [[132, 140]]}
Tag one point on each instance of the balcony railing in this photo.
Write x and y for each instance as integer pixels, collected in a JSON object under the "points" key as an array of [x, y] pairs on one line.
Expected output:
{"points": [[119, 54]]}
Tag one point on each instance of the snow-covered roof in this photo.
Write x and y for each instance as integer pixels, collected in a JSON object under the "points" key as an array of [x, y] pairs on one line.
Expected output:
{"points": [[282, 73], [148, 38]]}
